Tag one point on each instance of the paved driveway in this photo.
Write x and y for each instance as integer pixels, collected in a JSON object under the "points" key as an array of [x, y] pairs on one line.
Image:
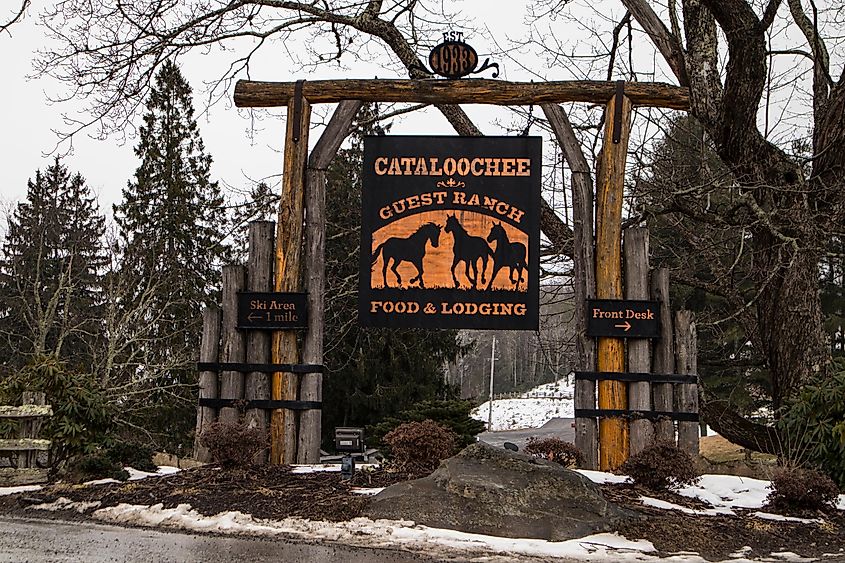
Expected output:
{"points": [[555, 428]]}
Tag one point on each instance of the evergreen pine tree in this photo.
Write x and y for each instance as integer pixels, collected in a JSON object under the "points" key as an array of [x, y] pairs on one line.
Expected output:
{"points": [[51, 272], [172, 225]]}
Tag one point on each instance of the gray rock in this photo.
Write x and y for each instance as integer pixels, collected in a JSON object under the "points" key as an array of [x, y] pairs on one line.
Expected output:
{"points": [[487, 490]]}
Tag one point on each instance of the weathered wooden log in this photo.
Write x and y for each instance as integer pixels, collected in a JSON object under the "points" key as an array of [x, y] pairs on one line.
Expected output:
{"points": [[311, 388], [663, 360], [586, 429], [208, 380], [258, 342], [467, 91], [11, 477], [30, 427], [639, 349], [23, 445], [686, 398], [26, 411], [288, 277], [613, 432], [233, 348]]}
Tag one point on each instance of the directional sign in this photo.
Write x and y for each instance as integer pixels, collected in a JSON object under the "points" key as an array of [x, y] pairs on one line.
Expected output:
{"points": [[272, 311], [623, 319]]}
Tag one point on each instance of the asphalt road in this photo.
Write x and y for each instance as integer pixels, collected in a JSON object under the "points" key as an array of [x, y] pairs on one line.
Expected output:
{"points": [[35, 540], [555, 428]]}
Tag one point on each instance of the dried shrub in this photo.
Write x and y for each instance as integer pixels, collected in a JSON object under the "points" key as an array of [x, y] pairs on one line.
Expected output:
{"points": [[418, 447], [555, 449], [796, 488], [233, 445], [660, 466]]}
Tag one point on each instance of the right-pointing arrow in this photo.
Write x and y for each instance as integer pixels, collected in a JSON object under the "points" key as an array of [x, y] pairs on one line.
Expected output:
{"points": [[626, 326]]}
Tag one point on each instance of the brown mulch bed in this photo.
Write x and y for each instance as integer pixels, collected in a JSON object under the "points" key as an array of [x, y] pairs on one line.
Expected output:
{"points": [[275, 493]]}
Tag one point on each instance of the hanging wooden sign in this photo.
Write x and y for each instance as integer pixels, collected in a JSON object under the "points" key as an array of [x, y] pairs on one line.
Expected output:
{"points": [[272, 310], [450, 234], [623, 318]]}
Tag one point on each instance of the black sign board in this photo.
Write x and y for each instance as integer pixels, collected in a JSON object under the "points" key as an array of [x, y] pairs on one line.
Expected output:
{"points": [[272, 311], [450, 232], [623, 319]]}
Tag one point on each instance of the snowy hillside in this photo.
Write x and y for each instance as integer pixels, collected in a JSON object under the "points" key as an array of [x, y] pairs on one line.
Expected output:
{"points": [[532, 409]]}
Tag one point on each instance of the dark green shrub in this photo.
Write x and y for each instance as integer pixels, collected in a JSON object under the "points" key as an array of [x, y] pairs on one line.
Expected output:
{"points": [[454, 415], [555, 449], [660, 466], [234, 445], [813, 425], [94, 466], [418, 447], [796, 488], [133, 455]]}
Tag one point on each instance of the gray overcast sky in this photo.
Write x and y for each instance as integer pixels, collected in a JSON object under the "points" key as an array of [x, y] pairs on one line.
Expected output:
{"points": [[27, 117]]}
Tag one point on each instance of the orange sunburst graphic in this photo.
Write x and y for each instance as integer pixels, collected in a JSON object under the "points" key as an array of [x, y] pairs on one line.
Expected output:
{"points": [[405, 255]]}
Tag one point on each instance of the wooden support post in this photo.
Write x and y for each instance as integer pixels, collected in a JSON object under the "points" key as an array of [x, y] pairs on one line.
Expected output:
{"points": [[232, 382], [613, 432], [686, 399], [29, 429], [586, 429], [324, 151], [664, 355], [259, 279], [639, 349], [288, 276], [209, 347]]}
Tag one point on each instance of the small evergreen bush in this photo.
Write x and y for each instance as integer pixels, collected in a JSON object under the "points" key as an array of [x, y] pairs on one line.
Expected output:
{"points": [[796, 488], [454, 415], [660, 466], [133, 455], [234, 445], [94, 466], [555, 449], [418, 447]]}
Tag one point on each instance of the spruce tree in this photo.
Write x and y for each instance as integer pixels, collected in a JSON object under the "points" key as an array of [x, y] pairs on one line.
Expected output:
{"points": [[51, 272], [171, 225]]}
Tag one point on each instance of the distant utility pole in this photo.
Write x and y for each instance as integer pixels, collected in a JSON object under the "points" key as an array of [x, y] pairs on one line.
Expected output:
{"points": [[492, 367]]}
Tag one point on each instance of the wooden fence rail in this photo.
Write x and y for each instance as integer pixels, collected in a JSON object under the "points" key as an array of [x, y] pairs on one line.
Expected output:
{"points": [[26, 448]]}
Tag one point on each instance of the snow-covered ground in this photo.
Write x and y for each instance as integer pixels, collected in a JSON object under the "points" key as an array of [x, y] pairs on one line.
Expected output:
{"points": [[725, 492], [532, 409], [134, 475]]}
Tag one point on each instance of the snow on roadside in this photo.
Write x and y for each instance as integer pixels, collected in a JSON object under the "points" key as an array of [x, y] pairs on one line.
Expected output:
{"points": [[379, 533], [532, 409], [21, 489], [136, 475]]}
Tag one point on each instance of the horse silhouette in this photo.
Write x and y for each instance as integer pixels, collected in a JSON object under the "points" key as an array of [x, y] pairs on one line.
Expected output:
{"points": [[407, 249], [469, 250], [507, 254]]}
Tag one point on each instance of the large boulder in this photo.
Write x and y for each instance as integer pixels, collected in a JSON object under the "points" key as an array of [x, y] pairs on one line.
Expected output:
{"points": [[487, 490]]}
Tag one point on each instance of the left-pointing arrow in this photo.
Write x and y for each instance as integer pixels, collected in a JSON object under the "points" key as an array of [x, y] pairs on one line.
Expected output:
{"points": [[252, 317]]}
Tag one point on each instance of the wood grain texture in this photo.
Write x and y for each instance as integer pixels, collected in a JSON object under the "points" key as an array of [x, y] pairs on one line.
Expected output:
{"points": [[466, 91], [613, 432], [639, 349], [208, 384], [663, 360], [233, 349], [11, 477], [586, 429], [288, 277], [30, 427], [311, 388], [686, 398]]}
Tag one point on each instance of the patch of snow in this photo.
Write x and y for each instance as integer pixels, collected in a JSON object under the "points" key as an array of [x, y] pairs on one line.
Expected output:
{"points": [[137, 475], [367, 492], [741, 552], [21, 489], [330, 467], [532, 409], [781, 518], [790, 556], [101, 482], [601, 477], [840, 503], [63, 503], [363, 531], [665, 505], [729, 491]]}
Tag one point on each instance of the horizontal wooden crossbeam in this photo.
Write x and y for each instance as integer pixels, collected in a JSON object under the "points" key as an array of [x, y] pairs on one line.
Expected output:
{"points": [[648, 377], [251, 94], [11, 477], [26, 411], [634, 414], [261, 404], [261, 368], [24, 445]]}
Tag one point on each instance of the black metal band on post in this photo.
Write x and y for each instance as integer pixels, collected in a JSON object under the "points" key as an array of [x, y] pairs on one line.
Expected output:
{"points": [[261, 404], [636, 414], [297, 110], [261, 368], [649, 377], [617, 112]]}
